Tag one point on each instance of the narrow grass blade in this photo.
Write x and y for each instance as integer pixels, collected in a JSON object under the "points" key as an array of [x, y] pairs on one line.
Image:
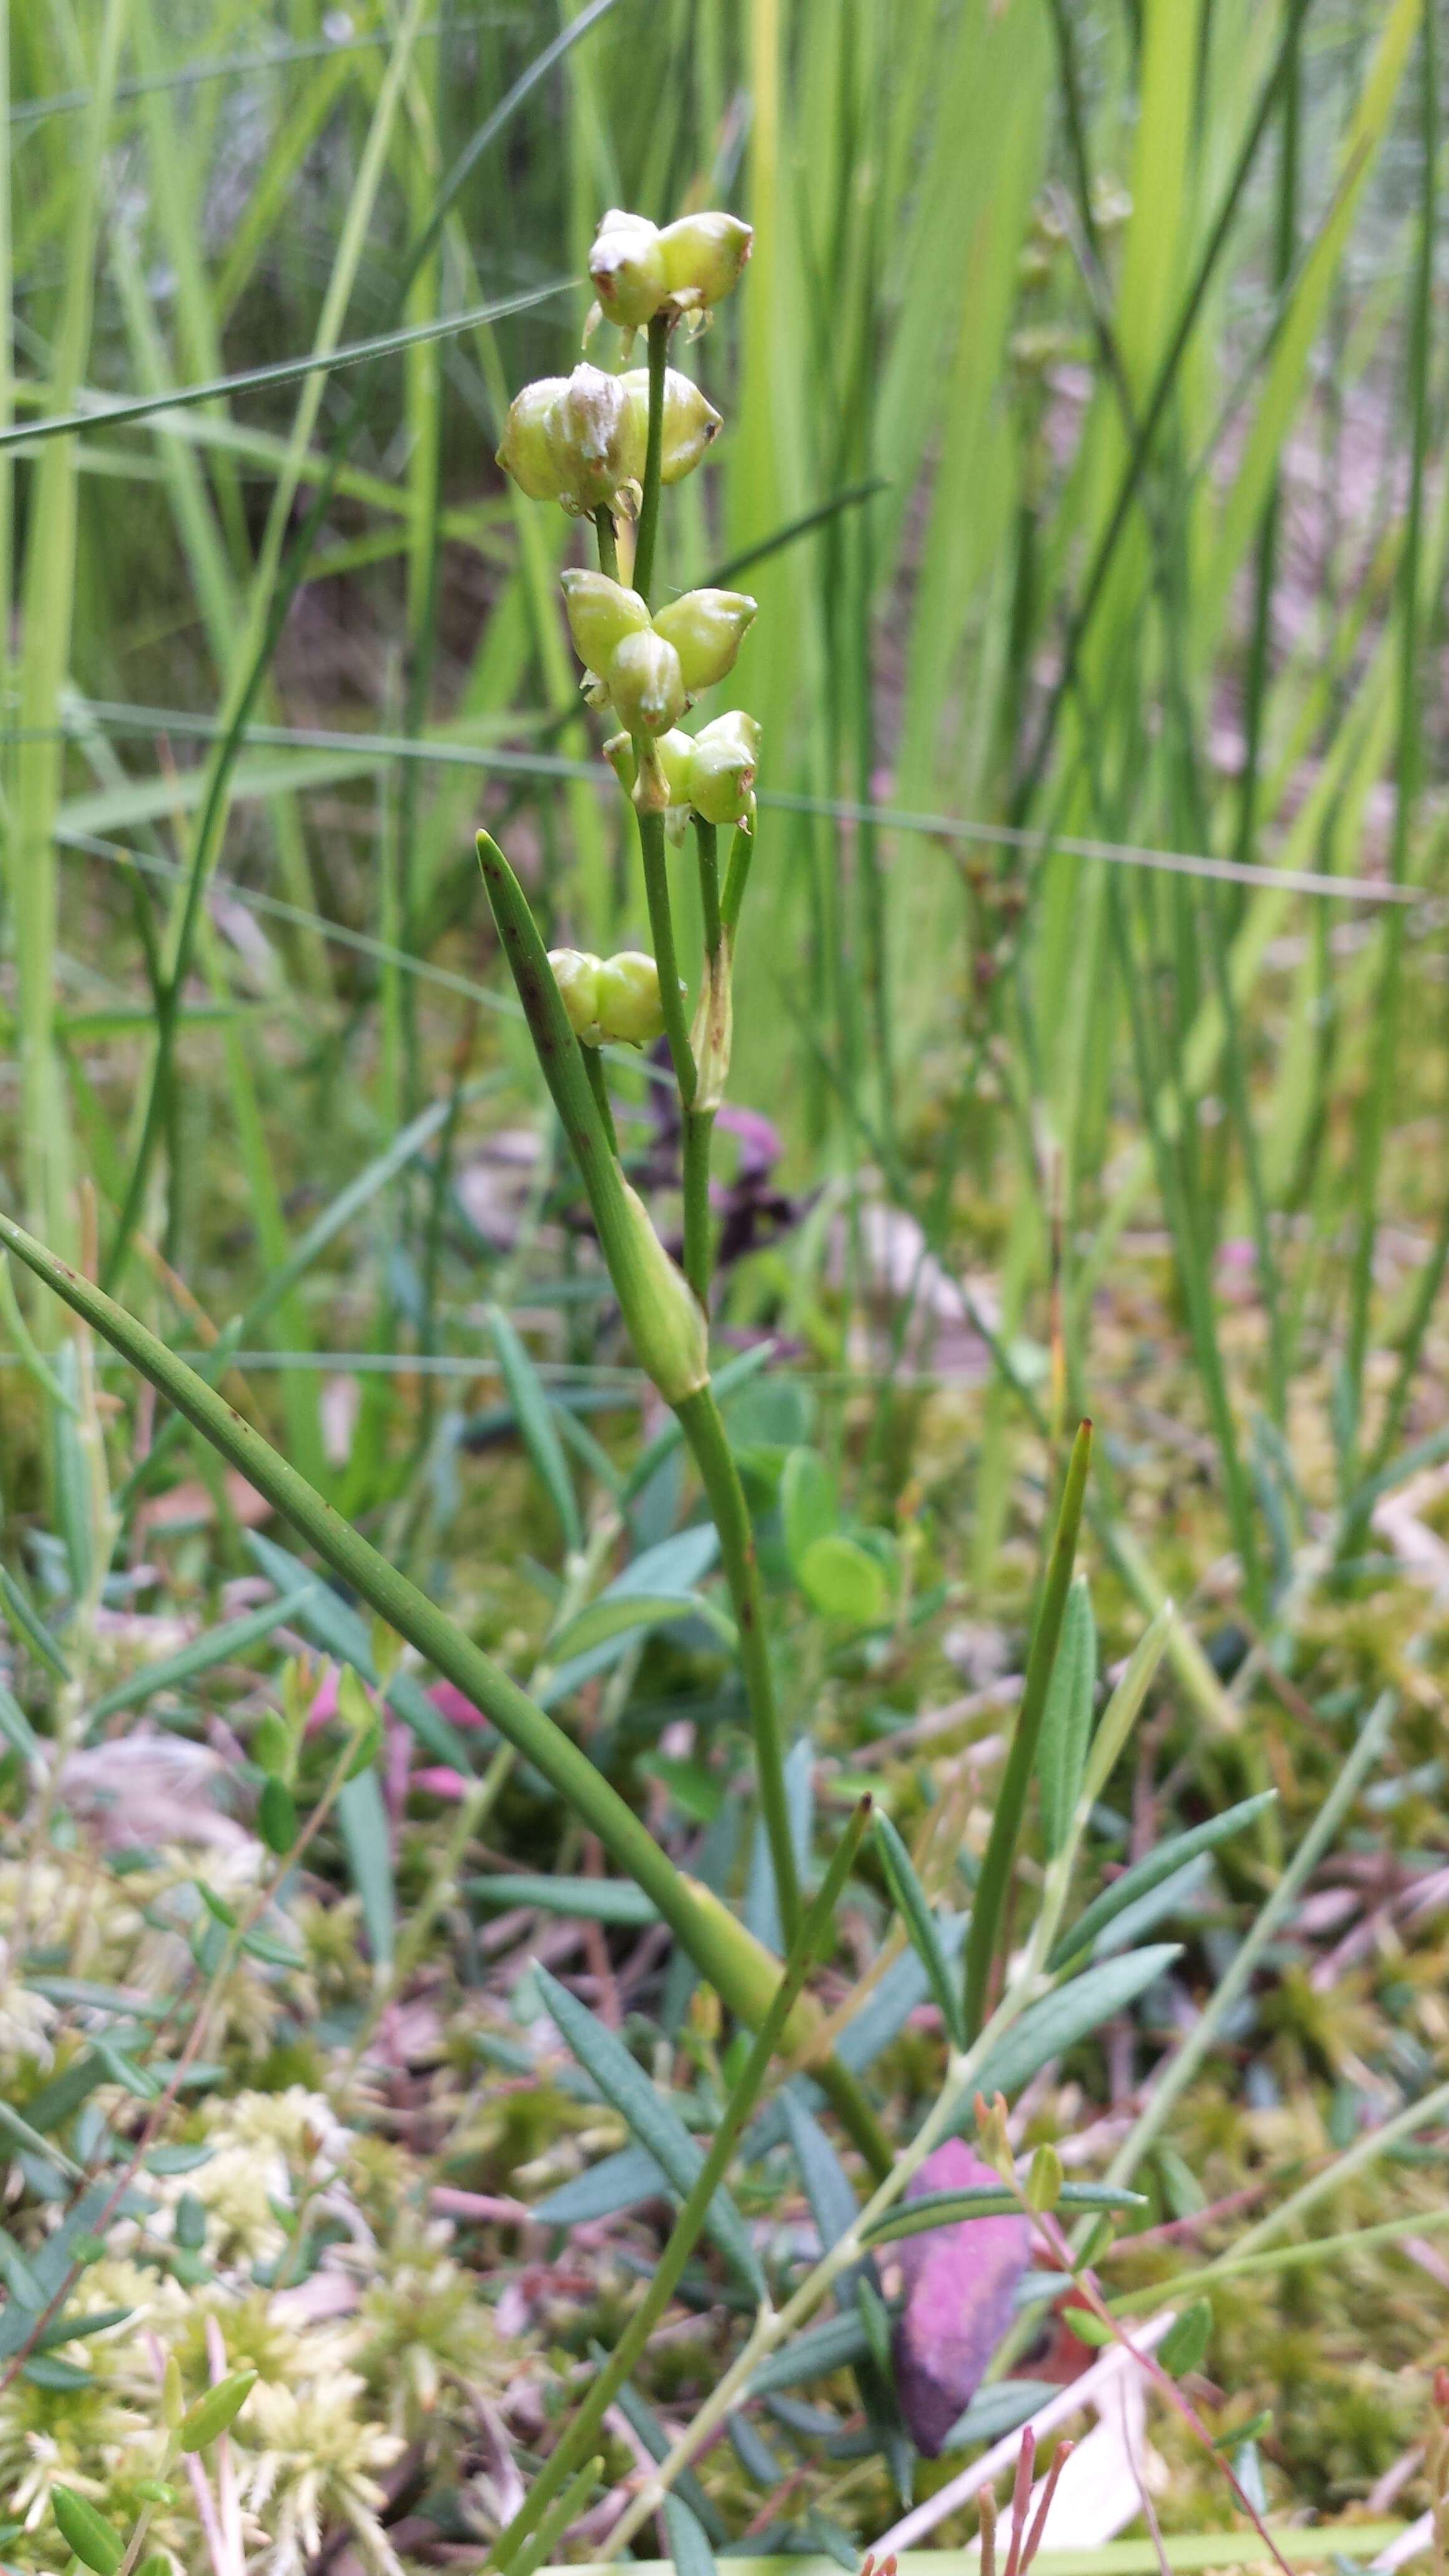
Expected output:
{"points": [[914, 1909], [651, 2118], [1161, 1864], [990, 1896], [219, 1646], [536, 1425]]}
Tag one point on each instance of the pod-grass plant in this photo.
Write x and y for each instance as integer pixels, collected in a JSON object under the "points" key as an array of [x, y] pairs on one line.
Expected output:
{"points": [[648, 663]]}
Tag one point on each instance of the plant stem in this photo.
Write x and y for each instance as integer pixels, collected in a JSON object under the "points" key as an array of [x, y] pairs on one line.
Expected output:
{"points": [[698, 1246], [704, 1430], [594, 1068], [653, 457], [608, 541], [575, 2443], [661, 928], [706, 1937], [737, 877], [699, 1121]]}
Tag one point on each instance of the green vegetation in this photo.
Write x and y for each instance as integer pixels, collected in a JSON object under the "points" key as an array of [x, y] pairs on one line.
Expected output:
{"points": [[722, 1590]]}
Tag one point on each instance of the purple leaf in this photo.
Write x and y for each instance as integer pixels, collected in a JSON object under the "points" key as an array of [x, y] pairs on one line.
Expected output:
{"points": [[960, 2298]]}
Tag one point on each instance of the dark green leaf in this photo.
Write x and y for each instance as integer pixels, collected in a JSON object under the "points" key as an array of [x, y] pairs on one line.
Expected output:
{"points": [[915, 1912], [652, 2119], [1163, 1863], [1066, 1726]]}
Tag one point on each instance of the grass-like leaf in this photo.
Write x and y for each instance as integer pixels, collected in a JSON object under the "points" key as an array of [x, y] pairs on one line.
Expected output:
{"points": [[914, 1909], [1161, 1864], [651, 2118]]}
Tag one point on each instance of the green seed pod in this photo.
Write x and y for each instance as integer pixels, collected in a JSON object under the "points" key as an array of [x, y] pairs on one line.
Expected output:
{"points": [[210, 2416], [689, 425], [704, 257], [631, 1012], [277, 1816], [665, 1319], [155, 2563], [596, 439], [85, 2532], [705, 628], [674, 755], [646, 683], [577, 977], [526, 450], [600, 614], [155, 2491], [627, 268], [722, 772]]}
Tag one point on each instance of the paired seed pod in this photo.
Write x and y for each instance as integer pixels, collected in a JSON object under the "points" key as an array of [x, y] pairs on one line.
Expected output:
{"points": [[711, 773], [648, 668], [581, 439], [688, 267], [610, 1001]]}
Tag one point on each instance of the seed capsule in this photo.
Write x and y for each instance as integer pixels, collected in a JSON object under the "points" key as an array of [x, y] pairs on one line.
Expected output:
{"points": [[626, 265], [646, 683], [577, 975], [600, 614], [574, 439], [526, 449], [722, 771], [705, 628], [631, 1011], [689, 426], [704, 257], [595, 438]]}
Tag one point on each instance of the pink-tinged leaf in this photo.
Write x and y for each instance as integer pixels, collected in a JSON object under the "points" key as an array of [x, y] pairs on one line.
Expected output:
{"points": [[960, 2298]]}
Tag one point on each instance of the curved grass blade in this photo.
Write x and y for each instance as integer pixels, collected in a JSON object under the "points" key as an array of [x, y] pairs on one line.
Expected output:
{"points": [[651, 2119], [991, 1887], [911, 1904], [1161, 1864], [537, 1428]]}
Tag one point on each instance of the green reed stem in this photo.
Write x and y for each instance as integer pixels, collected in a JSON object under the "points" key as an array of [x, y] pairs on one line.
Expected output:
{"points": [[704, 1430], [598, 1085], [608, 541], [661, 930], [653, 457], [737, 878], [699, 1122], [576, 2442]]}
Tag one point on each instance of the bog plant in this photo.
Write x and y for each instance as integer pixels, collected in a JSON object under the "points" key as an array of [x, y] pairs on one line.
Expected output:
{"points": [[1036, 1966]]}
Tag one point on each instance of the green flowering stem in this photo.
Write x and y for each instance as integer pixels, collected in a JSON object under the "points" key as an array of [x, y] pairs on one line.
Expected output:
{"points": [[653, 458], [594, 1068], [699, 1118], [575, 2444], [704, 1429], [737, 877], [698, 1246], [608, 541], [661, 927]]}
